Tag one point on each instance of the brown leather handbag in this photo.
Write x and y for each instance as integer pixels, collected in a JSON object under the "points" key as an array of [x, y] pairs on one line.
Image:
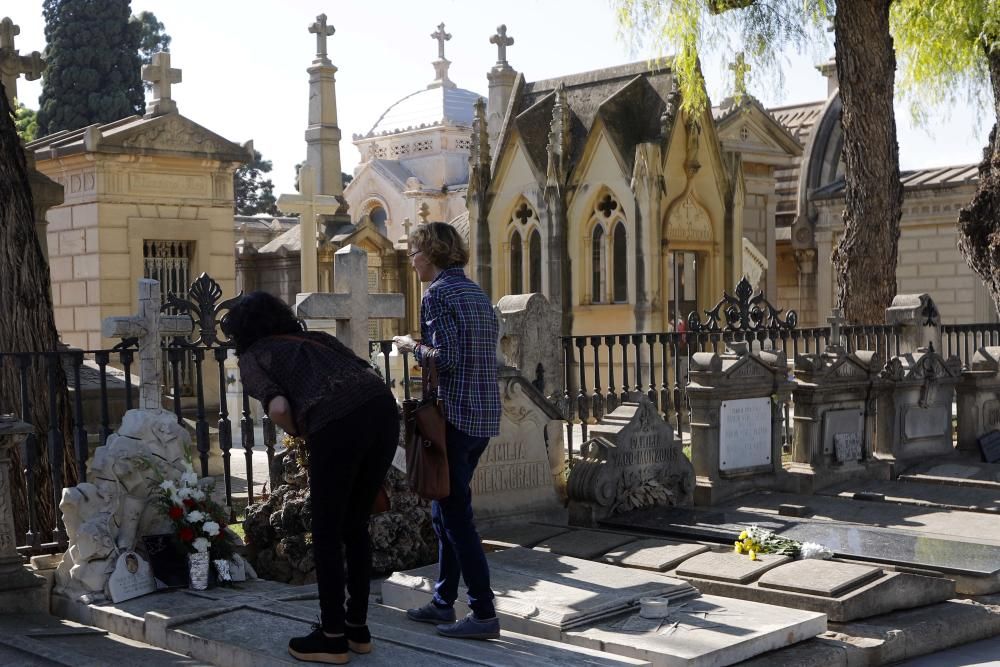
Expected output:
{"points": [[426, 449]]}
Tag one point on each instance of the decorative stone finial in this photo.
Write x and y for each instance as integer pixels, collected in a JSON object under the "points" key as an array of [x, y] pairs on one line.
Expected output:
{"points": [[322, 31], [441, 36], [502, 41], [479, 153], [161, 75], [13, 65], [441, 64], [424, 213]]}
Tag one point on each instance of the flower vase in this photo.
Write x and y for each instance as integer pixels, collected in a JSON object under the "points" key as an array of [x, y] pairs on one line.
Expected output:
{"points": [[198, 569]]}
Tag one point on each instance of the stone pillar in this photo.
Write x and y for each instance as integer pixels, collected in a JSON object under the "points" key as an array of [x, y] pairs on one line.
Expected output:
{"points": [[919, 322], [501, 79], [20, 591], [323, 135]]}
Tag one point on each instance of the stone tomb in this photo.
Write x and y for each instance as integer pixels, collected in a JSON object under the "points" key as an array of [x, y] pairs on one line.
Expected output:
{"points": [[632, 460], [835, 419], [521, 472], [736, 401], [595, 606], [915, 408], [654, 554], [978, 399]]}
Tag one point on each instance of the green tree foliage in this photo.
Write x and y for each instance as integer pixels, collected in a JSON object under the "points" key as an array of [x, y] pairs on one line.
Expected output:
{"points": [[93, 72], [685, 29], [253, 193], [26, 122], [152, 38]]}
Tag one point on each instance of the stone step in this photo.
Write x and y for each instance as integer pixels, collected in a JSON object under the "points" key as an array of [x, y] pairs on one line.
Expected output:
{"points": [[31, 640]]}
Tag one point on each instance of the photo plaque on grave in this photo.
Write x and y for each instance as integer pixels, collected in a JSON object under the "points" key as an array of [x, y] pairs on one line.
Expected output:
{"points": [[745, 434], [131, 578]]}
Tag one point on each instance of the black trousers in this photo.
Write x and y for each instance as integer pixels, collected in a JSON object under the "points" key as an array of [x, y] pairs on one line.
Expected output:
{"points": [[348, 461]]}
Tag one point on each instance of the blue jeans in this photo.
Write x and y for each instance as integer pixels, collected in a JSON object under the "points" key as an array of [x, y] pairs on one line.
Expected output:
{"points": [[460, 553]]}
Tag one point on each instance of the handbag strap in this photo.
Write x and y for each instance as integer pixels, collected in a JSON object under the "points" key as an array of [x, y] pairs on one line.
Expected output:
{"points": [[430, 374]]}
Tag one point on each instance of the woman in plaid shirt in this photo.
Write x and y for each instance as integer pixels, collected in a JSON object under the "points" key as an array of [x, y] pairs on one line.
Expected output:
{"points": [[459, 332]]}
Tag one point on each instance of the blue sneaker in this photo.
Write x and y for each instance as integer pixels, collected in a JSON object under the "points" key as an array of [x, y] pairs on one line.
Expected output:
{"points": [[431, 613], [471, 627]]}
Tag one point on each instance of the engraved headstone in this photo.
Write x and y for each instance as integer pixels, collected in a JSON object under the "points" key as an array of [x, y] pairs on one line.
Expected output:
{"points": [[131, 578], [990, 445], [839, 422], [745, 436], [847, 446]]}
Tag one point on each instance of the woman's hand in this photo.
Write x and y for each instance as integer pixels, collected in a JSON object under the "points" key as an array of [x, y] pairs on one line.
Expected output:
{"points": [[280, 412], [405, 343]]}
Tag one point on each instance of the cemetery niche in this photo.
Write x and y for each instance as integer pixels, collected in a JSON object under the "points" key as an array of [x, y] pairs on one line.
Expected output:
{"points": [[631, 461], [834, 396]]}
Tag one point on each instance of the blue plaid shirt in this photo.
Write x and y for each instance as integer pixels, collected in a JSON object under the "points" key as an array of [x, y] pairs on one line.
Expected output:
{"points": [[457, 319]]}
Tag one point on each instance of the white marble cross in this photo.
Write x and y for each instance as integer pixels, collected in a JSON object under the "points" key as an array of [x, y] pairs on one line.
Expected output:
{"points": [[441, 36], [350, 304], [149, 326], [161, 75], [322, 31], [13, 65], [309, 206], [502, 41]]}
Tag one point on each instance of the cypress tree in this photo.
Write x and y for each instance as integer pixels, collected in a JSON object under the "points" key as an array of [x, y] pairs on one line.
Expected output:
{"points": [[93, 73]]}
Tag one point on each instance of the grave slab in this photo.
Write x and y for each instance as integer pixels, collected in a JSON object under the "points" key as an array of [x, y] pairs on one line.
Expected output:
{"points": [[704, 632], [924, 494], [586, 544], [653, 554], [729, 566], [818, 577], [523, 535], [542, 594]]}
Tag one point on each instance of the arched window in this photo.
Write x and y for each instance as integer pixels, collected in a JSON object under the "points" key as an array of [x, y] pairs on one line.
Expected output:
{"points": [[379, 217], [620, 255], [598, 268], [516, 264], [535, 262]]}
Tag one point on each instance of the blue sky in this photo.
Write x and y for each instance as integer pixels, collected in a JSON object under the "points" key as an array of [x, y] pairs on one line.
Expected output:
{"points": [[244, 66]]}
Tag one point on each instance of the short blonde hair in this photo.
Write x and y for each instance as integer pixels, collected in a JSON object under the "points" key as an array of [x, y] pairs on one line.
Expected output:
{"points": [[441, 243]]}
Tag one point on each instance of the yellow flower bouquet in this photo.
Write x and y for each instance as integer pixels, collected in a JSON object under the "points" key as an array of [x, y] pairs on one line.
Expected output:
{"points": [[755, 540]]}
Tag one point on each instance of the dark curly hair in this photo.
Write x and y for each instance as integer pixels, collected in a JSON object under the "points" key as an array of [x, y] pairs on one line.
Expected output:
{"points": [[258, 315]]}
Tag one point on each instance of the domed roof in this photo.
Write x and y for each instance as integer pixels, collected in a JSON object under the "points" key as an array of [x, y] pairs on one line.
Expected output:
{"points": [[436, 105]]}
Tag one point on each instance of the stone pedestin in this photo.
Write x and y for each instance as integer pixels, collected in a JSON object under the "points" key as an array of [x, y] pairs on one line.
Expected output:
{"points": [[21, 591], [915, 407], [737, 405], [835, 395], [631, 461], [979, 399]]}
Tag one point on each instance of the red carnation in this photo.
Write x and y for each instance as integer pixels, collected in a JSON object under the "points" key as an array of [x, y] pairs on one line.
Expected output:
{"points": [[186, 534], [175, 512], [189, 503]]}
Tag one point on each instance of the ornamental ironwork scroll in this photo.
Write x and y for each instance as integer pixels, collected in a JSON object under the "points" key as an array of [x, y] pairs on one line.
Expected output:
{"points": [[745, 312], [204, 308]]}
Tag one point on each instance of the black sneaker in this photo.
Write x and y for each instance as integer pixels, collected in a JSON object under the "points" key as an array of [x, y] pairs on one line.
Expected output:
{"points": [[359, 639], [431, 613], [471, 627], [317, 647]]}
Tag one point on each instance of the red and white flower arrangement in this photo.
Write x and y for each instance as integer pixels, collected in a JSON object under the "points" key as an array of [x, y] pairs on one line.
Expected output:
{"points": [[199, 523]]}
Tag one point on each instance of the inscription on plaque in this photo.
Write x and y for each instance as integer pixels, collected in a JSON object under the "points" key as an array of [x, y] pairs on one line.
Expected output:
{"points": [[131, 578], [926, 422], [991, 415], [840, 421], [503, 468], [745, 434], [847, 447]]}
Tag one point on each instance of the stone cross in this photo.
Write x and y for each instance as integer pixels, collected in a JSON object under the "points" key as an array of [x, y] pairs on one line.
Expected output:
{"points": [[836, 319], [322, 31], [149, 326], [502, 41], [740, 69], [13, 65], [441, 36], [161, 75], [350, 304], [309, 206], [406, 227]]}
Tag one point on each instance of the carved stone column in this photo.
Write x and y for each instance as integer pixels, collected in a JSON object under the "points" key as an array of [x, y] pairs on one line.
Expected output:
{"points": [[20, 590]]}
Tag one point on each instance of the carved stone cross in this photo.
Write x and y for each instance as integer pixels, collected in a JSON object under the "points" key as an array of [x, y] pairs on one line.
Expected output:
{"points": [[502, 41], [350, 304], [13, 65], [740, 69], [836, 319], [309, 206], [161, 75], [441, 36], [322, 31], [149, 326]]}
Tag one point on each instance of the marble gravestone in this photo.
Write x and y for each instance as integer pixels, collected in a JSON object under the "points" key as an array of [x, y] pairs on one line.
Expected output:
{"points": [[131, 578], [521, 473], [632, 460], [736, 411], [915, 409], [978, 399]]}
